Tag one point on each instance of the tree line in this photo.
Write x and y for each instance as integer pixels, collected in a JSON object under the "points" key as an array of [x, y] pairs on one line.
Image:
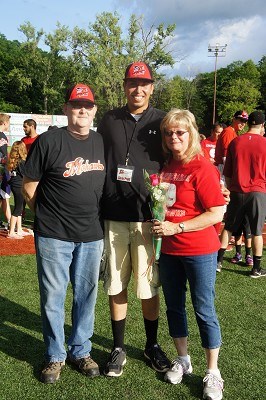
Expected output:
{"points": [[34, 80]]}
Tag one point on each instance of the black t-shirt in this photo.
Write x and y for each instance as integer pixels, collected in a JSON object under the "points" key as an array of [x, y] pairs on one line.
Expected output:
{"points": [[3, 158], [122, 134], [3, 146], [71, 176], [16, 176]]}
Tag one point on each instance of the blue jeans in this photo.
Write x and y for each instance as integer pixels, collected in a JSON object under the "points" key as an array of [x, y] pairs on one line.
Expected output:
{"points": [[200, 272], [60, 262]]}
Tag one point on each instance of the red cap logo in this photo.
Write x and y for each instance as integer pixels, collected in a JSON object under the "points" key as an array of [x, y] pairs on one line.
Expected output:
{"points": [[81, 92], [139, 70]]}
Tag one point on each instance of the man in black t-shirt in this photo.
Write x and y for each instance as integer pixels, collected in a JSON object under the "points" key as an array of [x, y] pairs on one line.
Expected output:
{"points": [[63, 183]]}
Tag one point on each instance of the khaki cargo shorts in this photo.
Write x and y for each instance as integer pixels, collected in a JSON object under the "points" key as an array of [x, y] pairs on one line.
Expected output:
{"points": [[129, 251]]}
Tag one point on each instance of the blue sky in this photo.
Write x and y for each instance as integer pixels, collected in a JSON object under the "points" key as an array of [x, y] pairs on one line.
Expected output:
{"points": [[240, 24]]}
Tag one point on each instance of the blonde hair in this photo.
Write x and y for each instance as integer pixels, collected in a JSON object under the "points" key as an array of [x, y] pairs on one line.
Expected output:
{"points": [[17, 154], [188, 121], [4, 118]]}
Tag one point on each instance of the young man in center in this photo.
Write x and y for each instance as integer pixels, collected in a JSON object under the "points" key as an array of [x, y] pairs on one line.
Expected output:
{"points": [[132, 142]]}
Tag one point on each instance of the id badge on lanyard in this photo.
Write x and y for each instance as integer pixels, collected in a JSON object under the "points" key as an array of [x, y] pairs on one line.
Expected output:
{"points": [[125, 173]]}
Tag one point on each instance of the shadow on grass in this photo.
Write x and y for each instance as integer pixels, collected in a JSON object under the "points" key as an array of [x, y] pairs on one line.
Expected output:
{"points": [[16, 320], [239, 271], [235, 268], [192, 382], [15, 342]]}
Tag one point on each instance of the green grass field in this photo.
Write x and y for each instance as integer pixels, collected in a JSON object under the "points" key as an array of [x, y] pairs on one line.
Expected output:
{"points": [[240, 306]]}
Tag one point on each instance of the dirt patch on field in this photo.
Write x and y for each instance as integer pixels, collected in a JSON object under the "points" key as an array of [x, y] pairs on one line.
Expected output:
{"points": [[12, 247]]}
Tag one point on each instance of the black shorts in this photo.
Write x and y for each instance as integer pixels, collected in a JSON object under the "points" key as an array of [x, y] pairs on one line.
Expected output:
{"points": [[252, 205], [244, 229]]}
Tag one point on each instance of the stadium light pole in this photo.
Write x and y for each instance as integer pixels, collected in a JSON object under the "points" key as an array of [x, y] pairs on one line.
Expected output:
{"points": [[216, 51]]}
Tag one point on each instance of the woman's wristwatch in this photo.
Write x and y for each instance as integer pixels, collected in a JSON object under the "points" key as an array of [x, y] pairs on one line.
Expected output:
{"points": [[182, 227]]}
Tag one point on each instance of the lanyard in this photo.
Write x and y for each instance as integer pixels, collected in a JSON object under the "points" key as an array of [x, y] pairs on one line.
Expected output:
{"points": [[130, 141]]}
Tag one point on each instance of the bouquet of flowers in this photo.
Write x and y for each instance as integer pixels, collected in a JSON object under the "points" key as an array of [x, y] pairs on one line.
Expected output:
{"points": [[158, 192]]}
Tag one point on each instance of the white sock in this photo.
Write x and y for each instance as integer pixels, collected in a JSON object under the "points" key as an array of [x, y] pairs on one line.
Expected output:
{"points": [[215, 372], [185, 358]]}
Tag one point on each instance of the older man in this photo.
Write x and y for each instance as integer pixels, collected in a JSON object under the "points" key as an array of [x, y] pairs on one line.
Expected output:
{"points": [[63, 183]]}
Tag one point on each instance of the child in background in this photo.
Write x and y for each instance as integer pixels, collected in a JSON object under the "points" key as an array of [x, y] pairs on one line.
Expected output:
{"points": [[15, 166]]}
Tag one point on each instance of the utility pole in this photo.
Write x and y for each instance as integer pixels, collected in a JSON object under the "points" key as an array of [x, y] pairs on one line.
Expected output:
{"points": [[216, 51]]}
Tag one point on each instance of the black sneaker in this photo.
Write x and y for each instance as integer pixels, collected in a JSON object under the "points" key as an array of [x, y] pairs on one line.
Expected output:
{"points": [[158, 358], [115, 363], [258, 273]]}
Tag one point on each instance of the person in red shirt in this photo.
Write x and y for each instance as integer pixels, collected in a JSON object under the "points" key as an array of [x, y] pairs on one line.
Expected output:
{"points": [[208, 145], [29, 127], [186, 256], [245, 173], [228, 134]]}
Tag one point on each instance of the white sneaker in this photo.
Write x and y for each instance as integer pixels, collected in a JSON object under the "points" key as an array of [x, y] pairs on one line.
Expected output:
{"points": [[177, 369], [219, 266], [212, 387]]}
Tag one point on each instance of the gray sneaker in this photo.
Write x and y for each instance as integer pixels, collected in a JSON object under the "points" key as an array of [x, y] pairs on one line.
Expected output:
{"points": [[212, 387], [177, 369], [219, 266], [51, 371]]}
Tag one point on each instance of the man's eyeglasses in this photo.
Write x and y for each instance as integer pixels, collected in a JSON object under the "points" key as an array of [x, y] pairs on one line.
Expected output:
{"points": [[177, 133]]}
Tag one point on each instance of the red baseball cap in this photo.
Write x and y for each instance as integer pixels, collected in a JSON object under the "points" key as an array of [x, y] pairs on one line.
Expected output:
{"points": [[80, 92], [139, 70]]}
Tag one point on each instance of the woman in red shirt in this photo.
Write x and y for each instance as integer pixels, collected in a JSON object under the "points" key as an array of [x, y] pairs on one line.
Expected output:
{"points": [[189, 246]]}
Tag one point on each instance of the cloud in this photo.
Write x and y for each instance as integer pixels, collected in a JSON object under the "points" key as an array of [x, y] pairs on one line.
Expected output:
{"points": [[200, 23]]}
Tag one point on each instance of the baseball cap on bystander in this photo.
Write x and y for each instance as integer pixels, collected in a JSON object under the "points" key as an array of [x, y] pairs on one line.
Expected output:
{"points": [[256, 118], [242, 115]]}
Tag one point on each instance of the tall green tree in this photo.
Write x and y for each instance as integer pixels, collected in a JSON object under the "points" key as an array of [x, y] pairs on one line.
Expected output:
{"points": [[105, 52], [48, 71], [13, 79], [238, 88], [262, 71]]}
